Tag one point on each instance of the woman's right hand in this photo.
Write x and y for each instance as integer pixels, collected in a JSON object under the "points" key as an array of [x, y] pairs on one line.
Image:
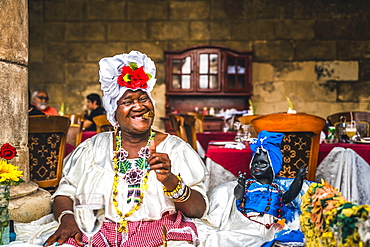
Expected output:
{"points": [[67, 229]]}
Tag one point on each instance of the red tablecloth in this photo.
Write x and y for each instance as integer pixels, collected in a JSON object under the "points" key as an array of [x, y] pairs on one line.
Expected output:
{"points": [[233, 160], [205, 137], [361, 149], [87, 134], [69, 148], [238, 160]]}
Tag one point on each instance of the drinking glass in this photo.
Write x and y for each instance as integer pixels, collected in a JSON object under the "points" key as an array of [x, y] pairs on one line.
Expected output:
{"points": [[245, 136], [351, 130], [237, 126], [89, 213]]}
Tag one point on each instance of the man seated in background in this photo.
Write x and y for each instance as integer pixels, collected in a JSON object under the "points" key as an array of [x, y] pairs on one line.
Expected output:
{"points": [[32, 110], [40, 99], [94, 105]]}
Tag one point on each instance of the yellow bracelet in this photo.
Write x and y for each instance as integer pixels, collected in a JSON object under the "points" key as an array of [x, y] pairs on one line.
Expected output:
{"points": [[177, 192]]}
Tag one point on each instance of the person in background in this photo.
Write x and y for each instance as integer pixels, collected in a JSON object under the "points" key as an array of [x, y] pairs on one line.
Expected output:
{"points": [[94, 105], [32, 110], [40, 99]]}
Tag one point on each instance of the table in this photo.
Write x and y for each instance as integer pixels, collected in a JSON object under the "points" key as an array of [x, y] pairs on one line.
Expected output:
{"points": [[361, 149], [233, 160], [224, 164], [205, 137]]}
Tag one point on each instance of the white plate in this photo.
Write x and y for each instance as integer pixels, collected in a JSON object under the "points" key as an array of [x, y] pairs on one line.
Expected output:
{"points": [[221, 143], [365, 140]]}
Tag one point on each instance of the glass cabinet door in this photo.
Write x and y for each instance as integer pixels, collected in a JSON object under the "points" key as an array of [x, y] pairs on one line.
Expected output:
{"points": [[181, 73], [209, 72], [237, 73]]}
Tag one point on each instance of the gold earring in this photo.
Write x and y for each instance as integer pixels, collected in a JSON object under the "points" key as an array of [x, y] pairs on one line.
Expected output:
{"points": [[116, 128]]}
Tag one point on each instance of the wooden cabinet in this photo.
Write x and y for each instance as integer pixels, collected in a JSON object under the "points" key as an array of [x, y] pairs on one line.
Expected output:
{"points": [[208, 76]]}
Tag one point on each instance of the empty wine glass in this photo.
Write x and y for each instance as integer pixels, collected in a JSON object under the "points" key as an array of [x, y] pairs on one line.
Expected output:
{"points": [[237, 126], [89, 214], [245, 136]]}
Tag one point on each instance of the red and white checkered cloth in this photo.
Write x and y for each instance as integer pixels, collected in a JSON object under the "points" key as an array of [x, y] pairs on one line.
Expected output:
{"points": [[144, 233]]}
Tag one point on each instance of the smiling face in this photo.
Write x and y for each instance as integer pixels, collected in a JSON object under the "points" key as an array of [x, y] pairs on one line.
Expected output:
{"points": [[131, 107], [261, 168]]}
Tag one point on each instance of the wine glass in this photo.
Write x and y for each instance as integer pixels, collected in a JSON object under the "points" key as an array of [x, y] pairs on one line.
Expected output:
{"points": [[89, 213], [245, 136], [237, 126], [351, 130]]}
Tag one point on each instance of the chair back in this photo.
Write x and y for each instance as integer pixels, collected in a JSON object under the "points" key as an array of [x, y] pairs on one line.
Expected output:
{"points": [[247, 119], [362, 119], [102, 123], [47, 137], [178, 124], [199, 120], [301, 140], [191, 135], [74, 135]]}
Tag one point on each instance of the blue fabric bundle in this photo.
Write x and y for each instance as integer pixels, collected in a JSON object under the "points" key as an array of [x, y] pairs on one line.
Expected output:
{"points": [[288, 237], [270, 142]]}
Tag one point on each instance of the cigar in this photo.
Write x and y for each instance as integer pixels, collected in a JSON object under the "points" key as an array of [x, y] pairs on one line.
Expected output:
{"points": [[148, 115]]}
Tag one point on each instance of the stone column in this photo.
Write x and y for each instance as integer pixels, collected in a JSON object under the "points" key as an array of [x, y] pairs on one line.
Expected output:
{"points": [[26, 197]]}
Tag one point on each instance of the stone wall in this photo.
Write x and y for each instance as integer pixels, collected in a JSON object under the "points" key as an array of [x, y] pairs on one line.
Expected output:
{"points": [[314, 52], [13, 80]]}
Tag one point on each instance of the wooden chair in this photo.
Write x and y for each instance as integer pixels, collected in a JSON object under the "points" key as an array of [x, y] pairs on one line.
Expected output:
{"points": [[178, 125], [362, 119], [74, 135], [185, 128], [189, 125], [47, 137], [199, 120], [301, 140], [102, 123]]}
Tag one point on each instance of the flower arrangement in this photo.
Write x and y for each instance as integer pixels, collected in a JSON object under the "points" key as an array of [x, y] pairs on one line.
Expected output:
{"points": [[328, 219], [133, 77], [9, 174]]}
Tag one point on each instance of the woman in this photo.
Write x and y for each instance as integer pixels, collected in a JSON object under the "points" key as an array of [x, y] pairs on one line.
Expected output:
{"points": [[149, 179]]}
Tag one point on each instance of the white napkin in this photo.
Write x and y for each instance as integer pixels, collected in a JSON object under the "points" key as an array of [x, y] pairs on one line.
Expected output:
{"points": [[238, 146]]}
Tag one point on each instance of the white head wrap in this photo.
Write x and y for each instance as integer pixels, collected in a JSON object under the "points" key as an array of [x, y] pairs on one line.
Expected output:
{"points": [[111, 69]]}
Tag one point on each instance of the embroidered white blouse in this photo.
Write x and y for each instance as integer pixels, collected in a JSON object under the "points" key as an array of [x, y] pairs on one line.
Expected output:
{"points": [[89, 169]]}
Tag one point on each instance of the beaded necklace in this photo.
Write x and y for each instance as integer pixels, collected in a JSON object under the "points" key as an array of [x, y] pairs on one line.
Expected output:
{"points": [[272, 187], [136, 175]]}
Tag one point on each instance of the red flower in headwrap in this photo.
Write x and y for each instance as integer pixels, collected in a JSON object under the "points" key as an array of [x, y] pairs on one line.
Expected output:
{"points": [[133, 77]]}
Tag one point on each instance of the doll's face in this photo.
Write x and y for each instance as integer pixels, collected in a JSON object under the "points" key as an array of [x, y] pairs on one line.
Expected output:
{"points": [[261, 168]]}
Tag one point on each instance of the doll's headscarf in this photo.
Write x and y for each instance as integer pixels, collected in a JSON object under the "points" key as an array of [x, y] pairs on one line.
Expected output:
{"points": [[269, 142], [134, 71]]}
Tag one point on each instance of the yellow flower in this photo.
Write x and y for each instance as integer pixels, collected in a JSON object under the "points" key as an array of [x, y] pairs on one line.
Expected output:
{"points": [[9, 172]]}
